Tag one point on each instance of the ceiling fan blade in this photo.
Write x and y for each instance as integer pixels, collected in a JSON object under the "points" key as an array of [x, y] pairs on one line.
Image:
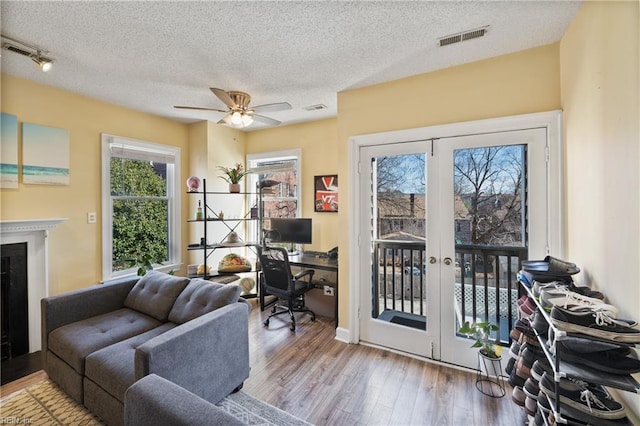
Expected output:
{"points": [[265, 120], [199, 108], [224, 97], [279, 106]]}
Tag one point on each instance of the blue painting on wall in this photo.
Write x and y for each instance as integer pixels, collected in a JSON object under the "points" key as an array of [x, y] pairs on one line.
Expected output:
{"points": [[8, 151], [45, 155]]}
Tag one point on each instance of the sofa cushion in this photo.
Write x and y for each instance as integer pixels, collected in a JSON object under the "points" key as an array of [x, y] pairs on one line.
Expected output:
{"points": [[155, 293], [200, 297], [73, 342], [113, 367]]}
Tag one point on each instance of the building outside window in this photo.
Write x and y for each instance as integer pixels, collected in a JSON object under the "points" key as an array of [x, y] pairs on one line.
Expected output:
{"points": [[277, 174], [141, 206]]}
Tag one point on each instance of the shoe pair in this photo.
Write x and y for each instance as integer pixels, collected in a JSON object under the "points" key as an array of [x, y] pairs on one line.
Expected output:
{"points": [[567, 299], [589, 400], [596, 323], [523, 332], [597, 355], [526, 306], [539, 323]]}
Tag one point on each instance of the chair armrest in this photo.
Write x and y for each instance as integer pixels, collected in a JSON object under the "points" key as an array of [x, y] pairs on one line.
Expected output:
{"points": [[208, 355], [155, 401], [81, 304], [304, 273]]}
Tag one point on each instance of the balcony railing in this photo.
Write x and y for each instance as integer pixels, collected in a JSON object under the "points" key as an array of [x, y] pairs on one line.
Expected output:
{"points": [[486, 287]]}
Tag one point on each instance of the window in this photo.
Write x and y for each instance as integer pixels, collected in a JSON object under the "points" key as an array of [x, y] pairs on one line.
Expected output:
{"points": [[282, 168], [140, 205]]}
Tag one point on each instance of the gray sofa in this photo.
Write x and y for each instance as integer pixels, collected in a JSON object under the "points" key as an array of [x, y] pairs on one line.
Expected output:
{"points": [[98, 341], [154, 401]]}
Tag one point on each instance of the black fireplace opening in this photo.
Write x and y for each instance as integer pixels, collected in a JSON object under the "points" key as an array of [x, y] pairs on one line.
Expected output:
{"points": [[14, 300]]}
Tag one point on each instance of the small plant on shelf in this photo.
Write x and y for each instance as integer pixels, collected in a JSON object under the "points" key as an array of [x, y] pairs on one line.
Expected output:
{"points": [[233, 175], [481, 332]]}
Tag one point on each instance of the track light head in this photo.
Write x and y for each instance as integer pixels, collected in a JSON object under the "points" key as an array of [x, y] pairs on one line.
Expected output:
{"points": [[45, 64], [30, 51]]}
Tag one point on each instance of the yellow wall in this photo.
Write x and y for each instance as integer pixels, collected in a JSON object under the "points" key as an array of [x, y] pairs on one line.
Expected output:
{"points": [[75, 246], [600, 96], [318, 142], [518, 83]]}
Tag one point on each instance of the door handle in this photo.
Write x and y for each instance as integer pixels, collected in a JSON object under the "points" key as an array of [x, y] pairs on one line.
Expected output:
{"points": [[447, 261], [432, 260]]}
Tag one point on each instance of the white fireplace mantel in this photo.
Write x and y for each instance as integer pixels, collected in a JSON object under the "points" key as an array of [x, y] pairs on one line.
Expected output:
{"points": [[35, 233], [29, 225]]}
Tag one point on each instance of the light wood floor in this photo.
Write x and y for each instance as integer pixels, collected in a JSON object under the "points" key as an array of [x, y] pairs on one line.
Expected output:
{"points": [[326, 382]]}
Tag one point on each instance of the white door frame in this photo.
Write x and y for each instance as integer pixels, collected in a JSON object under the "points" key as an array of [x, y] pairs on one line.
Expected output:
{"points": [[551, 121]]}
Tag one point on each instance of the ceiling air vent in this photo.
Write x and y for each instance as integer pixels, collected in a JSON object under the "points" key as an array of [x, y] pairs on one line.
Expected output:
{"points": [[315, 107], [466, 35]]}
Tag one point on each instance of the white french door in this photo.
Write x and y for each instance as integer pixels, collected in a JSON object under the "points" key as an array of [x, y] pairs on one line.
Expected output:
{"points": [[447, 221]]}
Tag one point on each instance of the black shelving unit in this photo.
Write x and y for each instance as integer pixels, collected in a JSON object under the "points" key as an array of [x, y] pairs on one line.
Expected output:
{"points": [[563, 369], [231, 224]]}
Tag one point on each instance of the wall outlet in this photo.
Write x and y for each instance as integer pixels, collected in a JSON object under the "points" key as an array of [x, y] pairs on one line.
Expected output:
{"points": [[329, 291], [91, 217]]}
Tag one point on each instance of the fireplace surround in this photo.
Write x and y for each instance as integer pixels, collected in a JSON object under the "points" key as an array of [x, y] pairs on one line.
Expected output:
{"points": [[33, 232]]}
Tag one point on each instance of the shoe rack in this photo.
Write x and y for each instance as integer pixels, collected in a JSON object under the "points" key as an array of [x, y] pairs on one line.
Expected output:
{"points": [[563, 369]]}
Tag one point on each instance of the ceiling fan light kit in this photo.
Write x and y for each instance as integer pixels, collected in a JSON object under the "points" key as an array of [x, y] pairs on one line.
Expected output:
{"points": [[240, 115]]}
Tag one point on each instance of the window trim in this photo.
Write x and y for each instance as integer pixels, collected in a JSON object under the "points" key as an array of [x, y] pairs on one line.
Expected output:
{"points": [[173, 195]]}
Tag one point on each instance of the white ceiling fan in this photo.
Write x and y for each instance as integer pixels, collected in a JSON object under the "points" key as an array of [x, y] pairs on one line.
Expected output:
{"points": [[239, 114]]}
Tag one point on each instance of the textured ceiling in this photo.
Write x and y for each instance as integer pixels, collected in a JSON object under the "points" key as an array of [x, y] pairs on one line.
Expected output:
{"points": [[152, 55]]}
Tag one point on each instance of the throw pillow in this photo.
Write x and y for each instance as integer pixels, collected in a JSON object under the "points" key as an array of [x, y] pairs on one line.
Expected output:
{"points": [[201, 297], [155, 293]]}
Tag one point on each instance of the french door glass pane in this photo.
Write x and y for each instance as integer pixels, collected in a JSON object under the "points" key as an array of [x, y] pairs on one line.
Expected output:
{"points": [[399, 238], [490, 233]]}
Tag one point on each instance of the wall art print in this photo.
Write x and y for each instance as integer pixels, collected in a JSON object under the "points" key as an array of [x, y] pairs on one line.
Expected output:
{"points": [[326, 193], [45, 155], [8, 151]]}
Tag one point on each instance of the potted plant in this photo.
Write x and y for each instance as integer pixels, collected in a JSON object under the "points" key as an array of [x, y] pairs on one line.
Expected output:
{"points": [[233, 176], [489, 357], [489, 353], [481, 332]]}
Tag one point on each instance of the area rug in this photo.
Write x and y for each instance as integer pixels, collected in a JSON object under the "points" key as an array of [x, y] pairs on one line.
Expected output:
{"points": [[46, 404]]}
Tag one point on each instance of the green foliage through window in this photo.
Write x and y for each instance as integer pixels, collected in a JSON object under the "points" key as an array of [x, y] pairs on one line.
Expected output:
{"points": [[140, 212]]}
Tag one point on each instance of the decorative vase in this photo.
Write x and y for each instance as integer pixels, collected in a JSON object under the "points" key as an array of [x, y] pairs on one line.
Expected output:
{"points": [[234, 187]]}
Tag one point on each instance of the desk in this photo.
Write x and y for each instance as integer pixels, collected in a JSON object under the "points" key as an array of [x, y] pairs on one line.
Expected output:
{"points": [[325, 275]]}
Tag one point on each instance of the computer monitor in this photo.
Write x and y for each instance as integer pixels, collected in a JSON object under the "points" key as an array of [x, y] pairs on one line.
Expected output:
{"points": [[297, 231]]}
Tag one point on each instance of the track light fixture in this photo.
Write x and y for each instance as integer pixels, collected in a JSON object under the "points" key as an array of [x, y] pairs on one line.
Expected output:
{"points": [[25, 49]]}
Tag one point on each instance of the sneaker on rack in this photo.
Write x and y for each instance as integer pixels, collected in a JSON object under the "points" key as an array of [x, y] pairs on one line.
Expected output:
{"points": [[511, 364], [525, 278], [514, 349], [537, 419], [600, 356], [538, 286], [518, 396], [531, 388], [527, 308], [530, 406], [596, 323], [539, 323], [586, 291], [515, 380], [540, 367], [590, 399], [573, 301], [523, 328]]}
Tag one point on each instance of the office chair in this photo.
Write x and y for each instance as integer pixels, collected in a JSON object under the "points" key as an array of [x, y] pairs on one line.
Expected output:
{"points": [[278, 280]]}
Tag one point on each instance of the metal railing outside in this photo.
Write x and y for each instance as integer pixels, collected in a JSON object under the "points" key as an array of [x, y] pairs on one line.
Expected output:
{"points": [[486, 287]]}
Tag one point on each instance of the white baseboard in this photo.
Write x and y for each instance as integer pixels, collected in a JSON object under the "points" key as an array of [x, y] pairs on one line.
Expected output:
{"points": [[342, 335]]}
